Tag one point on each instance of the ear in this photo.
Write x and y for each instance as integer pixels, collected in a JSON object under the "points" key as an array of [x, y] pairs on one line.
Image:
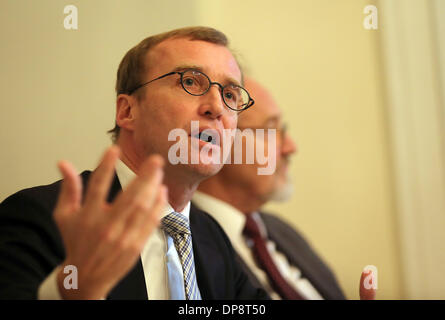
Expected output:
{"points": [[125, 109]]}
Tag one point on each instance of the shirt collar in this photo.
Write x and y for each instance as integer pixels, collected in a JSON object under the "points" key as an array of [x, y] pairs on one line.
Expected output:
{"points": [[231, 219], [125, 175]]}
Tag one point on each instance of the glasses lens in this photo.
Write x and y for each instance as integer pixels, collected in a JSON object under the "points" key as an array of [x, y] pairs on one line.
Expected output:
{"points": [[235, 97], [194, 82]]}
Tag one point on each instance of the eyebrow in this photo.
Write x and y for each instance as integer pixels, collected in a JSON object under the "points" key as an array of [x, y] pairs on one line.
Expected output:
{"points": [[228, 80], [272, 119]]}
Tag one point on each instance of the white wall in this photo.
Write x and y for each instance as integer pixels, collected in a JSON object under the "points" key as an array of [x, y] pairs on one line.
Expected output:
{"points": [[57, 85], [325, 71], [323, 67]]}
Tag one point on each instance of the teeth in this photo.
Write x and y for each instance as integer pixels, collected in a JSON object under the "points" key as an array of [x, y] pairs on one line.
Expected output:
{"points": [[205, 137]]}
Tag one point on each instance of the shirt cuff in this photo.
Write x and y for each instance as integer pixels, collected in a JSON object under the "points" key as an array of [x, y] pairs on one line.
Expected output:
{"points": [[49, 290]]}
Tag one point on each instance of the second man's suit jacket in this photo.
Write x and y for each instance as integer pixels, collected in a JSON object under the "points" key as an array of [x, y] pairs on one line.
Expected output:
{"points": [[31, 247], [300, 254]]}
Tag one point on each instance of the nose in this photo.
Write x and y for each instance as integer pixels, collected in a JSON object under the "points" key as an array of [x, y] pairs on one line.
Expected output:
{"points": [[288, 146], [212, 104]]}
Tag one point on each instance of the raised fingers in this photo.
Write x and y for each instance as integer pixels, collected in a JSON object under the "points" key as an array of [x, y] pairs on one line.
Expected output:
{"points": [[367, 289], [152, 219], [71, 190], [100, 181], [142, 191], [142, 222]]}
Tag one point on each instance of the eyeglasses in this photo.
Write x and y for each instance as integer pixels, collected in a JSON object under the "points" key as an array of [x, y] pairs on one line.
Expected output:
{"points": [[197, 83]]}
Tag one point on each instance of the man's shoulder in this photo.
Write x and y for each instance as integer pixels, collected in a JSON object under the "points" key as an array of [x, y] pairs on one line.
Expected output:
{"points": [[284, 234], [44, 196], [30, 239], [274, 222]]}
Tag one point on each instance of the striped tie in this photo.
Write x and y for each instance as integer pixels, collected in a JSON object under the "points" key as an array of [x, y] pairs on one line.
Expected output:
{"points": [[177, 226]]}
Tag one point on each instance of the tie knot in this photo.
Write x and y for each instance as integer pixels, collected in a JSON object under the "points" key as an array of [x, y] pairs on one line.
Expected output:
{"points": [[175, 223], [251, 228]]}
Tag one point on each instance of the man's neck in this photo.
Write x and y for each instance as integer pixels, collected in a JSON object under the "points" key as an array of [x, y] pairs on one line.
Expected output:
{"points": [[179, 194]]}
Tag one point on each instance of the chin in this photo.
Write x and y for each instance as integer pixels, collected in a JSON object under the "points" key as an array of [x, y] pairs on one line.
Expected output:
{"points": [[206, 170], [283, 192]]}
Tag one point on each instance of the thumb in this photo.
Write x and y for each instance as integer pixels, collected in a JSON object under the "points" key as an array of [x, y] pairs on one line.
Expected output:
{"points": [[367, 289], [70, 194]]}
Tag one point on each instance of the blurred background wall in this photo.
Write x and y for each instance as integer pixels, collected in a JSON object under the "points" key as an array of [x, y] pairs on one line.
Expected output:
{"points": [[325, 69]]}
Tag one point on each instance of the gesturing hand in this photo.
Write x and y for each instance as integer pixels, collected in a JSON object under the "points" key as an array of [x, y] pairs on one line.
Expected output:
{"points": [[103, 241]]}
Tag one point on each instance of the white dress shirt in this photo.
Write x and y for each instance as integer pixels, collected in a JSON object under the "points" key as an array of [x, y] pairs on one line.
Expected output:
{"points": [[232, 221], [153, 255]]}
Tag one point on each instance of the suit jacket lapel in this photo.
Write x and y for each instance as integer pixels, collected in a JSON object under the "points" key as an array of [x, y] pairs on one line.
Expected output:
{"points": [[311, 267], [200, 254]]}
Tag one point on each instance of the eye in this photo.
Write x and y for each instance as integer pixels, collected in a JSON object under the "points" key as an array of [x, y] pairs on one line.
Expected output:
{"points": [[232, 93], [229, 95], [190, 81]]}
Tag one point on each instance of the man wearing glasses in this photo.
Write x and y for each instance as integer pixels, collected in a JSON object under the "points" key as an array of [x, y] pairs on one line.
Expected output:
{"points": [[127, 230], [274, 255]]}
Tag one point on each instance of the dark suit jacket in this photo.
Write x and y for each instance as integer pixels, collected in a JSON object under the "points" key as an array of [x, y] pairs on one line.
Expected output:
{"points": [[31, 247], [299, 253]]}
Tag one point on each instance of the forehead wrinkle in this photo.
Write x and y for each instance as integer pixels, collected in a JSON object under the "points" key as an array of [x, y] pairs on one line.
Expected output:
{"points": [[188, 66], [162, 51]]}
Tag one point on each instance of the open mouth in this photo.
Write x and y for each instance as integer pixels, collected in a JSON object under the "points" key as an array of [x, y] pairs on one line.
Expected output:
{"points": [[206, 138]]}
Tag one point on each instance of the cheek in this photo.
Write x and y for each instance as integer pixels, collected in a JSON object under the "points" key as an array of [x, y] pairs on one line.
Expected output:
{"points": [[230, 120], [262, 184], [162, 115], [147, 121], [151, 129], [228, 127], [271, 150]]}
